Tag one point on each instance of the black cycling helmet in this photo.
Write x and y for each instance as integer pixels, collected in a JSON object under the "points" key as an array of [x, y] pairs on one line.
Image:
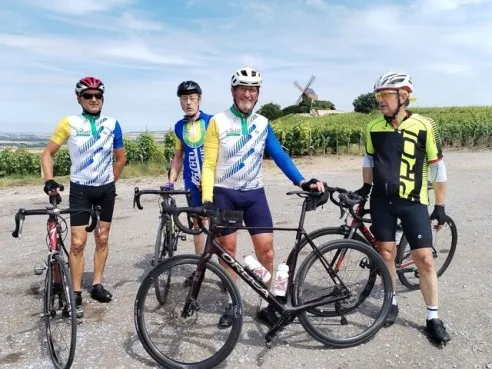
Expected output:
{"points": [[188, 88]]}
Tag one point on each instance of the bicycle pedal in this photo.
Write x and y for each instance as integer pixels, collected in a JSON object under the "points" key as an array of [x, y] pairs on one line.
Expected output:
{"points": [[183, 238], [39, 269]]}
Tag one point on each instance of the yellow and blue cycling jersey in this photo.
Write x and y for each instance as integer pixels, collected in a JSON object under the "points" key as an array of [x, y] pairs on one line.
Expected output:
{"points": [[234, 148], [91, 141], [401, 156], [190, 137]]}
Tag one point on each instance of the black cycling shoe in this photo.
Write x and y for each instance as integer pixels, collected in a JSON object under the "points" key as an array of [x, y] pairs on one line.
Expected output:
{"points": [[98, 293], [437, 331], [79, 311], [393, 313], [227, 318], [267, 316]]}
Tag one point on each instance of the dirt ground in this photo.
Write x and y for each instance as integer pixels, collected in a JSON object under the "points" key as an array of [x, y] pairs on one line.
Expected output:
{"points": [[107, 338]]}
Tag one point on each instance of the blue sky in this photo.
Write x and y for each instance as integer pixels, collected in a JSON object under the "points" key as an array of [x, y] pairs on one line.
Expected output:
{"points": [[142, 49]]}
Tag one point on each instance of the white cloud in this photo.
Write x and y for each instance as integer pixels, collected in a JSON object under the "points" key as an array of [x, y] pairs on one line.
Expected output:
{"points": [[79, 7], [142, 57]]}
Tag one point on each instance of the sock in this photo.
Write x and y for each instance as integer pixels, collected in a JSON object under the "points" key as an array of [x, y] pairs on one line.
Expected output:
{"points": [[431, 312], [394, 302]]}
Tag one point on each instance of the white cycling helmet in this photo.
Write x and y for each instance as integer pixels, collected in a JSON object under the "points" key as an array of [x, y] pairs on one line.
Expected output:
{"points": [[395, 81], [246, 77]]}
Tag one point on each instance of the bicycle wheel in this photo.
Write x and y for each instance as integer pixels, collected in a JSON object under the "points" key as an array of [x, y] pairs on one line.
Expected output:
{"points": [[192, 341], [163, 249], [353, 323], [444, 244], [59, 313], [321, 237]]}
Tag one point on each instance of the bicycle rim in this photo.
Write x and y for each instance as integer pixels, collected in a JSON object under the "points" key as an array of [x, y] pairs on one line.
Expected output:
{"points": [[444, 248], [60, 314], [321, 237], [161, 284], [192, 340], [362, 320]]}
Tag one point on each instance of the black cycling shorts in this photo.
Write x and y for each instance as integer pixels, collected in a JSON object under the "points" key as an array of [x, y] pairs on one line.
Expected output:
{"points": [[414, 218], [87, 197]]}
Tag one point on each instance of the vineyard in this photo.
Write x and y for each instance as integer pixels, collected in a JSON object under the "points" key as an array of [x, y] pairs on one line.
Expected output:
{"points": [[469, 127]]}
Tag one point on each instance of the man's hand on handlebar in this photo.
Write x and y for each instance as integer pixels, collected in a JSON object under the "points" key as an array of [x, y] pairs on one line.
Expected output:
{"points": [[365, 190], [312, 185], [52, 188]]}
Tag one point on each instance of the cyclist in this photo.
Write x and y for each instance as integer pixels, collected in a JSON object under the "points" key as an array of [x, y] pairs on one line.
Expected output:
{"points": [[399, 148], [190, 133], [92, 139], [232, 174]]}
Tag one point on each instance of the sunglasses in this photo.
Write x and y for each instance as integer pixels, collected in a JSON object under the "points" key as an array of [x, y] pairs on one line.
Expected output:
{"points": [[384, 95], [89, 96]]}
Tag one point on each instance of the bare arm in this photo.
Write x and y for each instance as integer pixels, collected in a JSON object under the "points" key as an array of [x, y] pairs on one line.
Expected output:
{"points": [[47, 159], [119, 163], [440, 192], [367, 175], [176, 165]]}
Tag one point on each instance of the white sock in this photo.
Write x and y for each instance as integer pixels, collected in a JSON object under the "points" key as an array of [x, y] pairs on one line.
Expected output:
{"points": [[431, 312], [394, 302]]}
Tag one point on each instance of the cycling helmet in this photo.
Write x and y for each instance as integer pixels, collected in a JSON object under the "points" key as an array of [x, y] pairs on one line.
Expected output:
{"points": [[89, 83], [188, 88], [394, 80], [246, 77]]}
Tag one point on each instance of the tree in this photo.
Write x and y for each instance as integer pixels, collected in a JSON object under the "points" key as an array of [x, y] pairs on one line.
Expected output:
{"points": [[365, 103], [271, 111], [323, 105]]}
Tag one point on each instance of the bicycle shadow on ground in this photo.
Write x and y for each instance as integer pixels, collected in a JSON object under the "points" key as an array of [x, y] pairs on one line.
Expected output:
{"points": [[129, 347]]}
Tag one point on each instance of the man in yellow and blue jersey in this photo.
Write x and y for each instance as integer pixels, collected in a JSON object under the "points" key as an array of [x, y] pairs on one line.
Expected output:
{"points": [[188, 151], [400, 148], [92, 140]]}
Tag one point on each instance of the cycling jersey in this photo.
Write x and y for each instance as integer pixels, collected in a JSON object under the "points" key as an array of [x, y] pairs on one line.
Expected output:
{"points": [[91, 141], [234, 148], [401, 156], [190, 137]]}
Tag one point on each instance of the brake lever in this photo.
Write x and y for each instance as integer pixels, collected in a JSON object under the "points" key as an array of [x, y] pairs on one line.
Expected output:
{"points": [[342, 211]]}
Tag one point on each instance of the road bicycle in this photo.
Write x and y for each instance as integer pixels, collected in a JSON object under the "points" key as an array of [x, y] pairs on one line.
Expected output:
{"points": [[324, 294], [168, 234], [59, 309], [444, 242]]}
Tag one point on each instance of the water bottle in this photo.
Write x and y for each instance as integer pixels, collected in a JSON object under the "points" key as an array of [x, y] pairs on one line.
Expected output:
{"points": [[281, 279], [399, 234], [258, 269]]}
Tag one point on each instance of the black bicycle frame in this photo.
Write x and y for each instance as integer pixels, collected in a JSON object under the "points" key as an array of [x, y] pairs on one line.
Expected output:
{"points": [[282, 304]]}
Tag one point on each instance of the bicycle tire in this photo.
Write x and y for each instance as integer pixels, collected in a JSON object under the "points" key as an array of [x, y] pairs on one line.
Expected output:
{"points": [[328, 231], [66, 305], [163, 249], [143, 331], [378, 264], [402, 254]]}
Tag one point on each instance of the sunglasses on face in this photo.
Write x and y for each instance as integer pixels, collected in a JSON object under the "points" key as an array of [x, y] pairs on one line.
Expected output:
{"points": [[384, 95], [89, 96]]}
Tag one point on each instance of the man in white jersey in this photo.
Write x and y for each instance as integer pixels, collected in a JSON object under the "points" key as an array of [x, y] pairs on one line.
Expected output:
{"points": [[92, 140], [235, 143]]}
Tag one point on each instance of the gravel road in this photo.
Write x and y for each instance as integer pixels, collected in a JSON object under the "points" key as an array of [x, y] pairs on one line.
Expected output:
{"points": [[106, 336]]}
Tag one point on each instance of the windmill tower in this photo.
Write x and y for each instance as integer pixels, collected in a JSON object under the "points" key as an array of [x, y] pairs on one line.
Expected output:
{"points": [[307, 92]]}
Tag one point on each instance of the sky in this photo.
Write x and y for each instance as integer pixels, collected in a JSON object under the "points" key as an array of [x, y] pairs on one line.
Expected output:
{"points": [[142, 50]]}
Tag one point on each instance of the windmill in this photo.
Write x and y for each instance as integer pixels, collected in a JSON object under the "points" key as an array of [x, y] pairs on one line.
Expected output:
{"points": [[306, 92]]}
